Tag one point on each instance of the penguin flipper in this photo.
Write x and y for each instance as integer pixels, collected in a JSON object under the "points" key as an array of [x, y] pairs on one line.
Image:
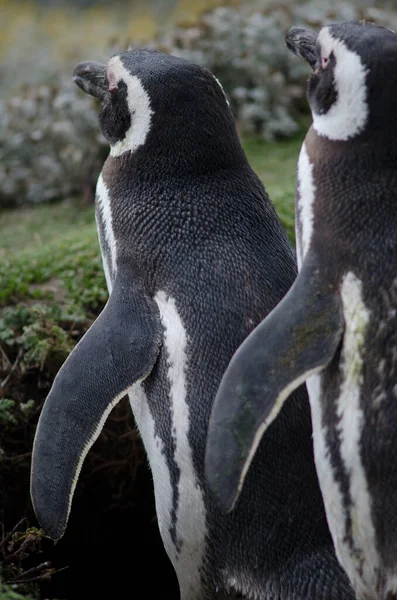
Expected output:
{"points": [[119, 349], [297, 339]]}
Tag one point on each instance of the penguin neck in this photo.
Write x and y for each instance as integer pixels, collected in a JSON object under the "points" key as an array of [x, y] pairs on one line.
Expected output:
{"points": [[178, 145], [372, 144], [180, 160], [354, 185]]}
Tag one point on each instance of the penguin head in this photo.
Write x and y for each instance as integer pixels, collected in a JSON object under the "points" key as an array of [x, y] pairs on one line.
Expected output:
{"points": [[151, 98], [353, 86]]}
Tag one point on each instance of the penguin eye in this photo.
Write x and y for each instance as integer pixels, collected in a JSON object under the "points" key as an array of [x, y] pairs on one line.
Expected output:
{"points": [[324, 62]]}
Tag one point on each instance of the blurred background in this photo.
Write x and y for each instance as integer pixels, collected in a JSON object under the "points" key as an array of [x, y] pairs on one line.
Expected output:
{"points": [[49, 141], [52, 285]]}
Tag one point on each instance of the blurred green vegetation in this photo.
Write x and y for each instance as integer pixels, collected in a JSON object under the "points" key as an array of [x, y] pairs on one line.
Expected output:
{"points": [[51, 252], [275, 164]]}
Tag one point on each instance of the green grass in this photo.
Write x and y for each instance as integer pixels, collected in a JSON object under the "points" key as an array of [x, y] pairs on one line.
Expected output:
{"points": [[275, 163], [33, 227], [56, 245]]}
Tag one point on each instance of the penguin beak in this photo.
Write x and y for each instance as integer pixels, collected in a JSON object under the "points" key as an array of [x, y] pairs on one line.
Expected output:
{"points": [[91, 78], [302, 42]]}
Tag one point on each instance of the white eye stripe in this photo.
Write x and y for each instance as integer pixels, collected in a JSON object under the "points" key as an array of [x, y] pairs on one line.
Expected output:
{"points": [[348, 114], [138, 104]]}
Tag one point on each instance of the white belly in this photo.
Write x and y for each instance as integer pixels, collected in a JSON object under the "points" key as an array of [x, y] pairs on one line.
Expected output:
{"points": [[356, 549], [190, 514]]}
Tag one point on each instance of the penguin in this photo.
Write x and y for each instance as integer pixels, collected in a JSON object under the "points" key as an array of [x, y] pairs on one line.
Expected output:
{"points": [[336, 327], [194, 257]]}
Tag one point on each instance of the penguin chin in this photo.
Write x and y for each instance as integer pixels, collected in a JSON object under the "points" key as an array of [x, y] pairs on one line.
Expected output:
{"points": [[91, 78]]}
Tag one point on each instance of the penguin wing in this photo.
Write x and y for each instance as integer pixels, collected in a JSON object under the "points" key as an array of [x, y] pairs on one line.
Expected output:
{"points": [[297, 339], [119, 349]]}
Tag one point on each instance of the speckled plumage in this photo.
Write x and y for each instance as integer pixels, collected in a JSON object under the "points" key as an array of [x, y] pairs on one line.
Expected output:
{"points": [[183, 214]]}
